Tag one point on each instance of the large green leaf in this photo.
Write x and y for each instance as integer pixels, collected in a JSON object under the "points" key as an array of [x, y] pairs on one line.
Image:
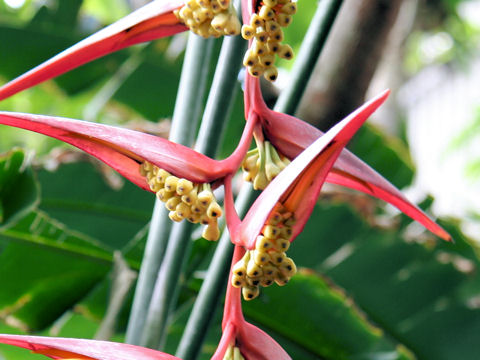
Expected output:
{"points": [[78, 196], [331, 326], [403, 287], [18, 187]]}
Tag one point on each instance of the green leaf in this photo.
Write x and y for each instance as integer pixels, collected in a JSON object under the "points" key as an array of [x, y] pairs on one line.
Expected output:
{"points": [[405, 288], [78, 196], [18, 188], [387, 155], [44, 286], [331, 326]]}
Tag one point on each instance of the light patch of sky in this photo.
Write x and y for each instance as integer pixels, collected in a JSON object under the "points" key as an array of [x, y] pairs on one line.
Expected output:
{"points": [[441, 103], [470, 11], [14, 4]]}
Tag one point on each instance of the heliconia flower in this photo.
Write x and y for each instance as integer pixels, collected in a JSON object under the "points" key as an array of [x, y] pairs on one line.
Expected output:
{"points": [[289, 136], [157, 19], [81, 349], [180, 176], [281, 211], [263, 23], [240, 339]]}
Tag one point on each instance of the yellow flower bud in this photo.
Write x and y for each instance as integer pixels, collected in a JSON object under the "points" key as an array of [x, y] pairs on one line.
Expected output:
{"points": [[211, 232], [289, 9], [172, 203], [183, 210], [247, 32], [284, 19], [263, 243], [282, 244], [184, 186], [164, 195], [250, 59], [250, 292], [277, 257], [238, 281], [288, 268], [271, 231], [260, 257], [256, 21], [191, 197], [266, 13], [214, 210], [253, 270], [171, 183], [260, 182], [174, 216], [285, 52]]}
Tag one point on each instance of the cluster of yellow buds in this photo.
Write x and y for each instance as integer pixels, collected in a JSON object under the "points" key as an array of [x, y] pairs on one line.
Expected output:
{"points": [[268, 262], [262, 164], [233, 353], [210, 17], [265, 29], [185, 199]]}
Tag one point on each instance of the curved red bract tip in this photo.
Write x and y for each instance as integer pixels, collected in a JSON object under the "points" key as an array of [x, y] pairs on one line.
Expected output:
{"points": [[122, 149], [152, 21], [86, 349]]}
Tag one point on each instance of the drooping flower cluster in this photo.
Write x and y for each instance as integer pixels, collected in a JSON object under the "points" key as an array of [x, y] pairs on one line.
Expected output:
{"points": [[185, 199], [268, 262], [210, 17], [265, 31]]}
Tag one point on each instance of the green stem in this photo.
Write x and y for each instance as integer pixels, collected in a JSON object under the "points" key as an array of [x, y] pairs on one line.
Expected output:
{"points": [[221, 96], [307, 57], [186, 115], [212, 288], [165, 290], [213, 124]]}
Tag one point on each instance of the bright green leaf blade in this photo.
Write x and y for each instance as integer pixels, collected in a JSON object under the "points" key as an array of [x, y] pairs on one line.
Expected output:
{"points": [[78, 196], [18, 187], [330, 326]]}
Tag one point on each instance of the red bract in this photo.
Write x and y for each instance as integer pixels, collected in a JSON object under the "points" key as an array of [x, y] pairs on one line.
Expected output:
{"points": [[64, 348], [152, 21], [298, 185], [125, 150], [291, 136]]}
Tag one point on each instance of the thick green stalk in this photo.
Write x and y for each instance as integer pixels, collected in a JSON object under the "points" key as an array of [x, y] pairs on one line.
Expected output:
{"points": [[307, 57], [214, 118], [221, 96], [186, 115], [165, 290], [218, 107], [209, 138], [212, 289]]}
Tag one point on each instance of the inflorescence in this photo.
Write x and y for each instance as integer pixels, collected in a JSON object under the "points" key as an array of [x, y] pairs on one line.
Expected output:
{"points": [[185, 199], [268, 262], [262, 164], [210, 17], [265, 31]]}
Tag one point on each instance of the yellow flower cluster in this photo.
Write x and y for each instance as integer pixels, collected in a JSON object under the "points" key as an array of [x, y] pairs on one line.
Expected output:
{"points": [[209, 17], [262, 164], [268, 263], [265, 29], [233, 353], [185, 199]]}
